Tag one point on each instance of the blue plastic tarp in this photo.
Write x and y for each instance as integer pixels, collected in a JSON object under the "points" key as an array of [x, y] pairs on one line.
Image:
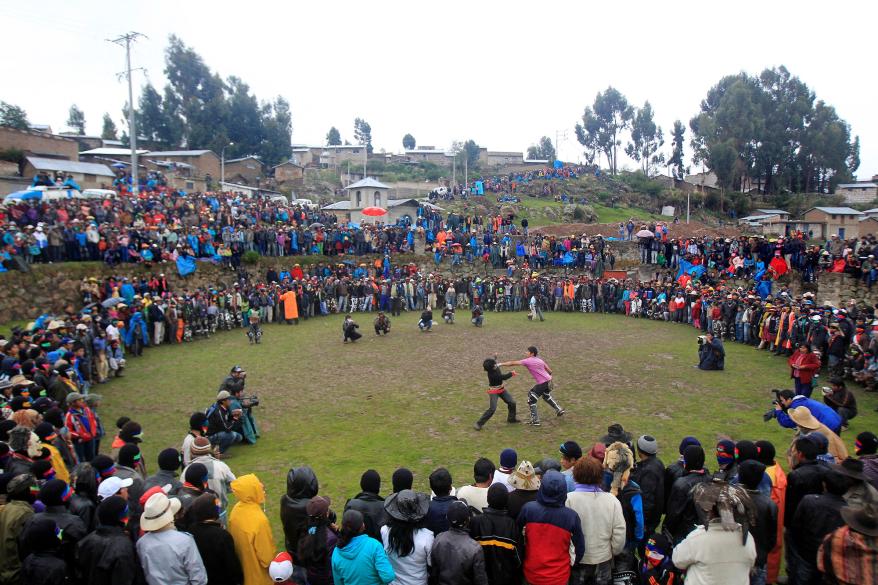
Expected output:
{"points": [[25, 195], [186, 265]]}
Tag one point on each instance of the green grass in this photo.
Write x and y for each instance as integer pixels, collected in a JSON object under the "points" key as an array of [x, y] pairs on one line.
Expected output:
{"points": [[410, 399]]}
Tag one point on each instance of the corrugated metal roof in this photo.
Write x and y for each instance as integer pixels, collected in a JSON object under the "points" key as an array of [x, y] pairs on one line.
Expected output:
{"points": [[232, 160], [338, 206], [838, 210], [773, 211], [367, 183], [106, 151], [69, 166], [857, 186], [179, 152]]}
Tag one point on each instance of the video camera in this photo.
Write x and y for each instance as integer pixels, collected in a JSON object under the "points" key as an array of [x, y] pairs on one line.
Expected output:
{"points": [[249, 401], [702, 339]]}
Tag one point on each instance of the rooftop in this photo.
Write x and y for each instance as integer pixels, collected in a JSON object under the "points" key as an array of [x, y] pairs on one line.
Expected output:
{"points": [[68, 166], [346, 205], [773, 211], [367, 183], [105, 151], [863, 185], [837, 210], [178, 152], [233, 160]]}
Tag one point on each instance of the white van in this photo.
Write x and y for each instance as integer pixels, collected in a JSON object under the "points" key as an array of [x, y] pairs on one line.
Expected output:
{"points": [[306, 203], [98, 194]]}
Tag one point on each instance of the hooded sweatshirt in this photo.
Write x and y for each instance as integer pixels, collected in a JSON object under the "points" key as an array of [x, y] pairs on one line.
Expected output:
{"points": [[249, 526], [362, 562], [549, 528], [301, 487]]}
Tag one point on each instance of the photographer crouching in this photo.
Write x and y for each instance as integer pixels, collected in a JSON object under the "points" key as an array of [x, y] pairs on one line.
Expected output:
{"points": [[241, 406], [711, 353]]}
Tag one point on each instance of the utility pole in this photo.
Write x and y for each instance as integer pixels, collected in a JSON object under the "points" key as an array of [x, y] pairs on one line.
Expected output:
{"points": [[125, 41], [365, 158]]}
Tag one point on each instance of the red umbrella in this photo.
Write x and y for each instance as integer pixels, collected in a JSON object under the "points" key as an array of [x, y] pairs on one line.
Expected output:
{"points": [[374, 211]]}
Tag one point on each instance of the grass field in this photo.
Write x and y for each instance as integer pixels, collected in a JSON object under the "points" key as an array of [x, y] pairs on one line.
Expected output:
{"points": [[410, 399]]}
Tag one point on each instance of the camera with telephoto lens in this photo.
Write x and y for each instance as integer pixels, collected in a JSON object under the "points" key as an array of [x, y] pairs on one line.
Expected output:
{"points": [[773, 412], [249, 401]]}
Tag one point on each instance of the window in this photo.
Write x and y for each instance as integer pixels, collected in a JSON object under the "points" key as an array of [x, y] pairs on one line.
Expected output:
{"points": [[833, 216], [359, 199], [356, 151], [377, 197]]}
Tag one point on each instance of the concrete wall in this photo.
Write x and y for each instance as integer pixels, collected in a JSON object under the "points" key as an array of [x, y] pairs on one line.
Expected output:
{"points": [[858, 194], [39, 143]]}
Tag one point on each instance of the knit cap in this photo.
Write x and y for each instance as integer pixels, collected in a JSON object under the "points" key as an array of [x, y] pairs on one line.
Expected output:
{"points": [[169, 459], [647, 444], [688, 441], [498, 496], [508, 459], [866, 443], [200, 446], [402, 480], [725, 452], [693, 457], [766, 453]]}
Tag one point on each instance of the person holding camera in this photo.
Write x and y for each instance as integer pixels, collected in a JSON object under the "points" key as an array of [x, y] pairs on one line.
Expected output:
{"points": [[711, 353], [220, 423], [786, 400], [241, 406]]}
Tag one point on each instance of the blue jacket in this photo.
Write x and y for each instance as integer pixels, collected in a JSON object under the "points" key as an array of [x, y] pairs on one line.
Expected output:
{"points": [[362, 562], [436, 520], [820, 411], [550, 527]]}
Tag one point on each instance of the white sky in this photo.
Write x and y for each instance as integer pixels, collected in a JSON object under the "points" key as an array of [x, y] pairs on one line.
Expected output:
{"points": [[501, 73]]}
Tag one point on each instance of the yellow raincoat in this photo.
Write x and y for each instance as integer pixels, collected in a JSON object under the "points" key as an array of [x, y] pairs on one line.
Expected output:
{"points": [[249, 526]]}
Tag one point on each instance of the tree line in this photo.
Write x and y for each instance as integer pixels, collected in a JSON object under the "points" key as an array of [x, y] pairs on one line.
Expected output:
{"points": [[767, 132]]}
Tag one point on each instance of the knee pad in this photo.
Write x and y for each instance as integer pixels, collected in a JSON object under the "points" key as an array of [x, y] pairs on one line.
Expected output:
{"points": [[532, 398]]}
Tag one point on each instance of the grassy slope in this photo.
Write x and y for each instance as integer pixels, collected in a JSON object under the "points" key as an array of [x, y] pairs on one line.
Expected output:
{"points": [[410, 399]]}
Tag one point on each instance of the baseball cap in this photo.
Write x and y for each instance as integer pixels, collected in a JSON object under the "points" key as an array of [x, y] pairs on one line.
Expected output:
{"points": [[237, 370], [111, 486], [223, 395]]}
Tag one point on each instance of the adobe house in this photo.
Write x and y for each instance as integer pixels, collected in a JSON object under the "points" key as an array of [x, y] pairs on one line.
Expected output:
{"points": [[823, 222], [287, 172], [247, 170], [202, 162]]}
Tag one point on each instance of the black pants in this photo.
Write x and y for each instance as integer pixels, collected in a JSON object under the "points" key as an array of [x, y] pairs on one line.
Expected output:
{"points": [[492, 407]]}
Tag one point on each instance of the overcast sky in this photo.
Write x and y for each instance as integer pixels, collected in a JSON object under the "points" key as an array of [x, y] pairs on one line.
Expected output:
{"points": [[501, 73]]}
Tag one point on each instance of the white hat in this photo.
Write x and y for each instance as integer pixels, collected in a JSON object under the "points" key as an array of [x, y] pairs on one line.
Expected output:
{"points": [[111, 486], [281, 568], [158, 512]]}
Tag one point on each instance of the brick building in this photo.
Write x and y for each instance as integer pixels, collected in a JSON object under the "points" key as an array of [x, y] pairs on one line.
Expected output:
{"points": [[203, 163], [288, 173], [247, 170]]}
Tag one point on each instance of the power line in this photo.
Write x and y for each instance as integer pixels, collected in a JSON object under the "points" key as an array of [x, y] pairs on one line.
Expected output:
{"points": [[125, 41]]}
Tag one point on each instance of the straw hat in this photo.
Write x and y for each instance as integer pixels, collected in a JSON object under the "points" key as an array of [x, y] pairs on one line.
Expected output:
{"points": [[803, 418], [158, 512]]}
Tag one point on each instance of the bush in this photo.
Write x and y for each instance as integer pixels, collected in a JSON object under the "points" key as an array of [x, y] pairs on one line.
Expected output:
{"points": [[12, 155], [250, 257]]}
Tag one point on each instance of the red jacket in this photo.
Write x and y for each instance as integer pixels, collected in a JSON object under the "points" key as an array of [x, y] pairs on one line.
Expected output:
{"points": [[81, 424], [808, 364]]}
